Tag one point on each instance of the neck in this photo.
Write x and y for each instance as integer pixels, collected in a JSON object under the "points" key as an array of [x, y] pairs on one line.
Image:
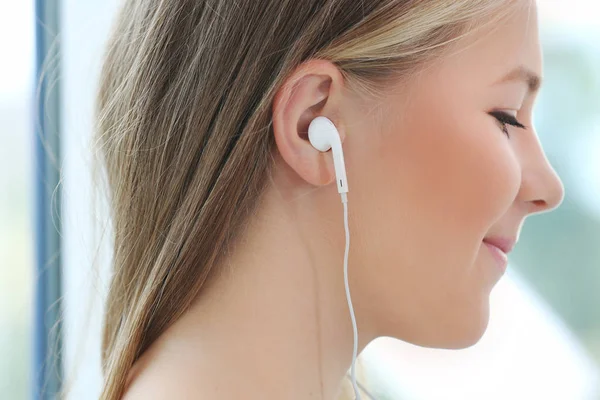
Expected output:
{"points": [[275, 321]]}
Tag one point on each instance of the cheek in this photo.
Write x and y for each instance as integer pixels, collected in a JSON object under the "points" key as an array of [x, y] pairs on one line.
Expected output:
{"points": [[462, 177]]}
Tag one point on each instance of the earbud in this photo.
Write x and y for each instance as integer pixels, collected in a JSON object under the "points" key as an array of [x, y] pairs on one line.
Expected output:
{"points": [[323, 135]]}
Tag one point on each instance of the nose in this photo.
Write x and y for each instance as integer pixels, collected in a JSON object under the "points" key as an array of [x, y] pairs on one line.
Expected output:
{"points": [[541, 190]]}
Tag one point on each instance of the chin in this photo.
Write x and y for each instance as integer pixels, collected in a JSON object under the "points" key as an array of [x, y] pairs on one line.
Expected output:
{"points": [[467, 333]]}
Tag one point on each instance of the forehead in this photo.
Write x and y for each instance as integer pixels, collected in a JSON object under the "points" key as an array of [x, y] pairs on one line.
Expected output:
{"points": [[506, 44], [487, 55]]}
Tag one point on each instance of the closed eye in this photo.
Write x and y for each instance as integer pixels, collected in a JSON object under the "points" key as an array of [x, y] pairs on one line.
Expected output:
{"points": [[506, 119]]}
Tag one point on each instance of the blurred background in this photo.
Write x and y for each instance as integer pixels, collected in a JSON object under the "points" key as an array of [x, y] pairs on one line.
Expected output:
{"points": [[543, 341]]}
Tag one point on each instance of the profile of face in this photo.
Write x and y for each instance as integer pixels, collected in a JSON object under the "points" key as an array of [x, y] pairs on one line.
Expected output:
{"points": [[435, 171]]}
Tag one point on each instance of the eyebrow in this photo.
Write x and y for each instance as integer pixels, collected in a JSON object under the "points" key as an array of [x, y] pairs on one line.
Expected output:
{"points": [[524, 74]]}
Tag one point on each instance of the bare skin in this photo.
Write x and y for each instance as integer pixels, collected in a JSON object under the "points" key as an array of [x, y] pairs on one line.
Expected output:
{"points": [[431, 174]]}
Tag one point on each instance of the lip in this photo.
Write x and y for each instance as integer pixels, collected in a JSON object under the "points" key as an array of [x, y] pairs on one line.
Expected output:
{"points": [[505, 244], [500, 257]]}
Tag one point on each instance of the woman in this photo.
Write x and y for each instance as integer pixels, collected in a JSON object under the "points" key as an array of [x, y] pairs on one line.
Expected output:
{"points": [[229, 232]]}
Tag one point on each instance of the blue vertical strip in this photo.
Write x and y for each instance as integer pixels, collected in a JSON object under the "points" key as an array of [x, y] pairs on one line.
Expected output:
{"points": [[39, 339], [47, 335]]}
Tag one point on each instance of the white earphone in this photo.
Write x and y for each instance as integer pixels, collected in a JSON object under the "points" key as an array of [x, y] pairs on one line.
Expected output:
{"points": [[323, 135]]}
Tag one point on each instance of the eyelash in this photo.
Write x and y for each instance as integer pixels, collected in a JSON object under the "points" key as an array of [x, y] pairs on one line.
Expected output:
{"points": [[506, 119]]}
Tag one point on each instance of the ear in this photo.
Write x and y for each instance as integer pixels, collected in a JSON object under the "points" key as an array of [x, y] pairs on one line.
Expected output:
{"points": [[315, 88]]}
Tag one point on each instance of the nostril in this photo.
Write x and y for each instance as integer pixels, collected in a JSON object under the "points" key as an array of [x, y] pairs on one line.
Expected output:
{"points": [[538, 206]]}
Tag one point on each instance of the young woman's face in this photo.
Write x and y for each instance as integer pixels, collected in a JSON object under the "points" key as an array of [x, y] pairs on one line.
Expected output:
{"points": [[436, 177]]}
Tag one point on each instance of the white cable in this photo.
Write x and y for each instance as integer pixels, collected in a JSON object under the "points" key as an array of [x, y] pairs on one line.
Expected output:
{"points": [[354, 329]]}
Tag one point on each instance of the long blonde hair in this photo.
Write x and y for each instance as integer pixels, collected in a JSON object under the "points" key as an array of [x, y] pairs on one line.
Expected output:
{"points": [[183, 127]]}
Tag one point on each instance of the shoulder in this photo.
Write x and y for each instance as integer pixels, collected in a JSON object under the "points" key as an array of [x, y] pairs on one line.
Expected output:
{"points": [[162, 385], [154, 378]]}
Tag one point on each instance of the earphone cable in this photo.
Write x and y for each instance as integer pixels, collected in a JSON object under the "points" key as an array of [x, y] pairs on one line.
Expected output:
{"points": [[348, 297]]}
